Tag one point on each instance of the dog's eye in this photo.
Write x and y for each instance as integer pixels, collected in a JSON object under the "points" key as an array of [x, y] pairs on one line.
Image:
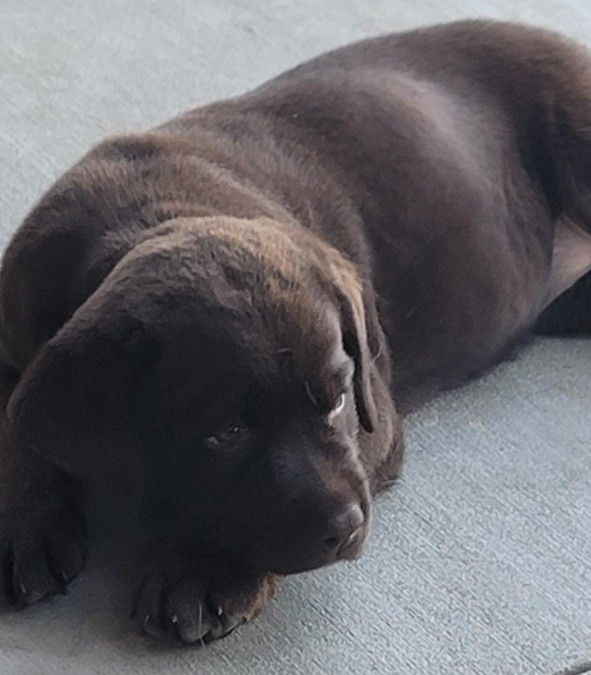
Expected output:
{"points": [[338, 408], [231, 435]]}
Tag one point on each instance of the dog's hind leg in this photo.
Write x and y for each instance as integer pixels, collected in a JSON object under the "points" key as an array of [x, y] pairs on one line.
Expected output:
{"points": [[563, 160], [568, 309], [570, 313]]}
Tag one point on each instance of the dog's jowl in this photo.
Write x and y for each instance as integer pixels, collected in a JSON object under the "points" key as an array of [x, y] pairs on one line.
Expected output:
{"points": [[241, 302]]}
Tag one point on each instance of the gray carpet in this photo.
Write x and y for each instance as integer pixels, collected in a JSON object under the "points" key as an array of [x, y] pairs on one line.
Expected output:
{"points": [[480, 560]]}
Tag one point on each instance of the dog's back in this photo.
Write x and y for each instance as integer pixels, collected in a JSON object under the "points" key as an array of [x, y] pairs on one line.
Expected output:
{"points": [[442, 146]]}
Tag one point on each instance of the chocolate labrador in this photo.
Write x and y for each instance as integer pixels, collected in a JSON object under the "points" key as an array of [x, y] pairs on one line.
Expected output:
{"points": [[236, 301]]}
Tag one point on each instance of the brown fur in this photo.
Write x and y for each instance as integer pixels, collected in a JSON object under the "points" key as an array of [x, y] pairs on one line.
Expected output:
{"points": [[379, 221]]}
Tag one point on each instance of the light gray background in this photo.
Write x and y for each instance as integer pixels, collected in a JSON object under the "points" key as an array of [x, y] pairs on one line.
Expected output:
{"points": [[480, 561]]}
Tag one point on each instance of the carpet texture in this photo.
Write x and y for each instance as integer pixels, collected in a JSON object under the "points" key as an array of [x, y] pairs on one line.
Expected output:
{"points": [[480, 559]]}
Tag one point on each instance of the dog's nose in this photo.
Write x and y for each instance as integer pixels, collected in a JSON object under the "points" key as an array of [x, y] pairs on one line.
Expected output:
{"points": [[344, 529]]}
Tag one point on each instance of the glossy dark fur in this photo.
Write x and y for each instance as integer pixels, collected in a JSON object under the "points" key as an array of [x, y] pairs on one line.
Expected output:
{"points": [[379, 221]]}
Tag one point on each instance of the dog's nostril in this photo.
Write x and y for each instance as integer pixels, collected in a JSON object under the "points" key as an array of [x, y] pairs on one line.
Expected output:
{"points": [[344, 526]]}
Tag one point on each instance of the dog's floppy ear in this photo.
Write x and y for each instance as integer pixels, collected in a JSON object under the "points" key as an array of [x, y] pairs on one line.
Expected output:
{"points": [[349, 290], [75, 401]]}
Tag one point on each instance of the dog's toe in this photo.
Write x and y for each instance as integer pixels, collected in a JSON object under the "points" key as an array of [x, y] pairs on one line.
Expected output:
{"points": [[188, 613], [43, 553], [180, 611], [194, 605], [29, 578]]}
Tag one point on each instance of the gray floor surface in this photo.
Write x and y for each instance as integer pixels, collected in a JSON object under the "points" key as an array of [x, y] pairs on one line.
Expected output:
{"points": [[480, 560]]}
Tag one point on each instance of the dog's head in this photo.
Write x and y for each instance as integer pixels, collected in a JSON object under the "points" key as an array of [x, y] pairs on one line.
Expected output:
{"points": [[237, 358]]}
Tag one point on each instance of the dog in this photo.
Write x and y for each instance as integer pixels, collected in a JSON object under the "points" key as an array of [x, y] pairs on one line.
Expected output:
{"points": [[244, 302]]}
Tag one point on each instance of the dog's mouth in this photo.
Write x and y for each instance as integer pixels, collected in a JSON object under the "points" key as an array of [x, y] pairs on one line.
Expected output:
{"points": [[352, 552], [349, 550], [297, 556], [286, 546]]}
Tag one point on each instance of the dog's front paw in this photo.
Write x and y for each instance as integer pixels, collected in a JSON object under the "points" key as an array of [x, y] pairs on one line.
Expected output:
{"points": [[197, 601], [43, 549]]}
